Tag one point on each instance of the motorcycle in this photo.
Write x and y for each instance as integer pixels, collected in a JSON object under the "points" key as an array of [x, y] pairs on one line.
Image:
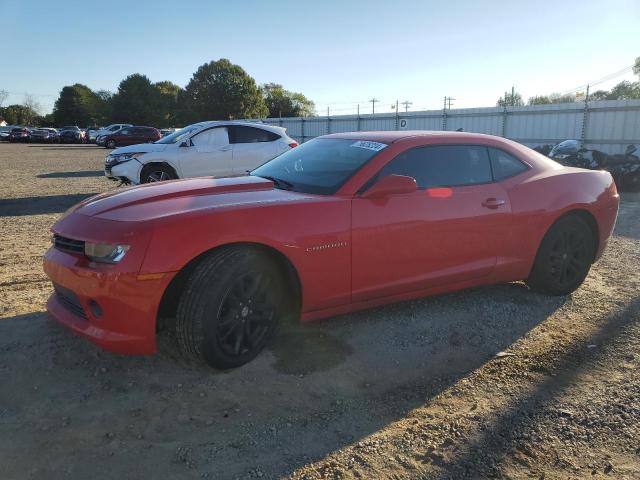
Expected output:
{"points": [[624, 168]]}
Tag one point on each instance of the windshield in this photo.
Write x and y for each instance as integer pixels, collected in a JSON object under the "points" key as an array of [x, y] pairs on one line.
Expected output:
{"points": [[320, 166], [179, 135]]}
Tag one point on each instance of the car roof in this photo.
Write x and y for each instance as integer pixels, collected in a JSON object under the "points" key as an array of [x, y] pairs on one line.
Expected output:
{"points": [[395, 136], [256, 124]]}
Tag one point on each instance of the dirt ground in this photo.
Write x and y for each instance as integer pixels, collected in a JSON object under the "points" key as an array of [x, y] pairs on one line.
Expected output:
{"points": [[495, 382]]}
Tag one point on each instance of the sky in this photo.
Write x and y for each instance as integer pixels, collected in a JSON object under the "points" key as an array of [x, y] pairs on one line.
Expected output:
{"points": [[337, 53]]}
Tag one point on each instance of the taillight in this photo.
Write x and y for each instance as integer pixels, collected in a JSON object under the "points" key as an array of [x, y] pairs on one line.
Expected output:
{"points": [[293, 144]]}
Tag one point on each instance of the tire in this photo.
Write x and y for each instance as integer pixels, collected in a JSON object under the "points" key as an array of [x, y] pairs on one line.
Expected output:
{"points": [[564, 257], [229, 308], [157, 173], [110, 144]]}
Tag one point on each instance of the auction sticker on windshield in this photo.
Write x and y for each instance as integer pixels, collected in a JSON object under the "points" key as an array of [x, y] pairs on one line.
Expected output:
{"points": [[375, 146]]}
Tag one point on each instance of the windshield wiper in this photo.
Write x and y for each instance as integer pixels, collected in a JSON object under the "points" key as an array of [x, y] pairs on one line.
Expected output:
{"points": [[278, 182]]}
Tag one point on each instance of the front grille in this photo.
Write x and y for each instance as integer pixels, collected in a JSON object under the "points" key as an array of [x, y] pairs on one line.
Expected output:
{"points": [[68, 244], [70, 301]]}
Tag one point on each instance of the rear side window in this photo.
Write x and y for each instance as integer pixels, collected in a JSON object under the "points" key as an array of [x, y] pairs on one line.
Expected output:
{"points": [[242, 134], [442, 166], [125, 131], [504, 165]]}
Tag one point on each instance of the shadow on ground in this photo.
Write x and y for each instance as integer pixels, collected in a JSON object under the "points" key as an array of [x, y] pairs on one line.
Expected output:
{"points": [[80, 174], [319, 388], [13, 207]]}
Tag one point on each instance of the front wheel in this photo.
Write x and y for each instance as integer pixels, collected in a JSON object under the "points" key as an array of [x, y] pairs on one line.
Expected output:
{"points": [[111, 144], [156, 173], [564, 257], [230, 307]]}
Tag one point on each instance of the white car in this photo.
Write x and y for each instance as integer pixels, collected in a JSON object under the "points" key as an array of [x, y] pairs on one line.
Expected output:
{"points": [[219, 149], [108, 130]]}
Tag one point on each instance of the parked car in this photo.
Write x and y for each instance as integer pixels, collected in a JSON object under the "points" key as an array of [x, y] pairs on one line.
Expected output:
{"points": [[20, 134], [343, 222], [71, 135], [220, 149], [5, 132], [132, 136], [168, 131], [108, 130], [92, 134], [44, 135]]}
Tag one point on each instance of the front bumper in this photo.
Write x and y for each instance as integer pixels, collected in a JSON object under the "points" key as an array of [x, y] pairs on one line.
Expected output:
{"points": [[124, 320], [128, 171]]}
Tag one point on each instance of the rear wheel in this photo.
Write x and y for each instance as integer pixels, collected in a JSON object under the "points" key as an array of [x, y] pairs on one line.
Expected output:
{"points": [[230, 307], [111, 144], [156, 173], [564, 257]]}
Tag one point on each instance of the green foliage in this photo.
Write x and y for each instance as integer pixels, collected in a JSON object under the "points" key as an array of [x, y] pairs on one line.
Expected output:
{"points": [[168, 108], [18, 115], [137, 101], [220, 90], [283, 103], [78, 105], [553, 98], [512, 100]]}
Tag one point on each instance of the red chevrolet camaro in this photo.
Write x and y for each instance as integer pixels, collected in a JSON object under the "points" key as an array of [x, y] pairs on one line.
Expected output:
{"points": [[341, 223]]}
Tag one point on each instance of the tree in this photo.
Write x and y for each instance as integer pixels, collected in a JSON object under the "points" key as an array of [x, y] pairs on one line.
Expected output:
{"points": [[220, 90], [283, 103], [510, 99], [136, 101], [18, 115], [78, 105], [169, 93], [553, 98]]}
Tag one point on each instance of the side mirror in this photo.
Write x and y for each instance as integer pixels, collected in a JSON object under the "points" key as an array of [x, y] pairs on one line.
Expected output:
{"points": [[392, 184]]}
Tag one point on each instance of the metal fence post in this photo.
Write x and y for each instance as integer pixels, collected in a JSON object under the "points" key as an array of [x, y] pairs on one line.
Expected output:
{"points": [[301, 129], [504, 120], [358, 117], [328, 121], [585, 118], [397, 119]]}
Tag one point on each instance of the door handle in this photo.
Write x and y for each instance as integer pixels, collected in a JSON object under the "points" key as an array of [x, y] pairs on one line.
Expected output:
{"points": [[493, 203], [226, 148]]}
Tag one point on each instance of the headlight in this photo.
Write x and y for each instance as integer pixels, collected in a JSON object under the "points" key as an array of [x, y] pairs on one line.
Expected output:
{"points": [[122, 157], [105, 252]]}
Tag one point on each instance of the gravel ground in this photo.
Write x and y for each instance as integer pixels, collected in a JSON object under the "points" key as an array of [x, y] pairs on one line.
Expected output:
{"points": [[494, 382]]}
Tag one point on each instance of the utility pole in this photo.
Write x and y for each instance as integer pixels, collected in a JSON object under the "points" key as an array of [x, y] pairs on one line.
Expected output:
{"points": [[513, 96], [327, 111], [406, 104], [447, 103], [373, 105]]}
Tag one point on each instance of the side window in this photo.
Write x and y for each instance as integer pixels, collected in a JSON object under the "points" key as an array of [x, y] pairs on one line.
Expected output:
{"points": [[242, 134], [504, 165], [213, 136], [125, 131], [442, 166]]}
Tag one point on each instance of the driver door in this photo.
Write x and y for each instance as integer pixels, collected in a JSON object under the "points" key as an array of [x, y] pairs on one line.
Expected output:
{"points": [[207, 153], [451, 229]]}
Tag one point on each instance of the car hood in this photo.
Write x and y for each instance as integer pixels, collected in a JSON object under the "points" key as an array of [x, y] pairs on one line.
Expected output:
{"points": [[141, 147], [184, 197]]}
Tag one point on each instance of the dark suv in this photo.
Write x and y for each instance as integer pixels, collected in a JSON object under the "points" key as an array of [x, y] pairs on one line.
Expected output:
{"points": [[20, 134], [71, 135], [132, 136]]}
